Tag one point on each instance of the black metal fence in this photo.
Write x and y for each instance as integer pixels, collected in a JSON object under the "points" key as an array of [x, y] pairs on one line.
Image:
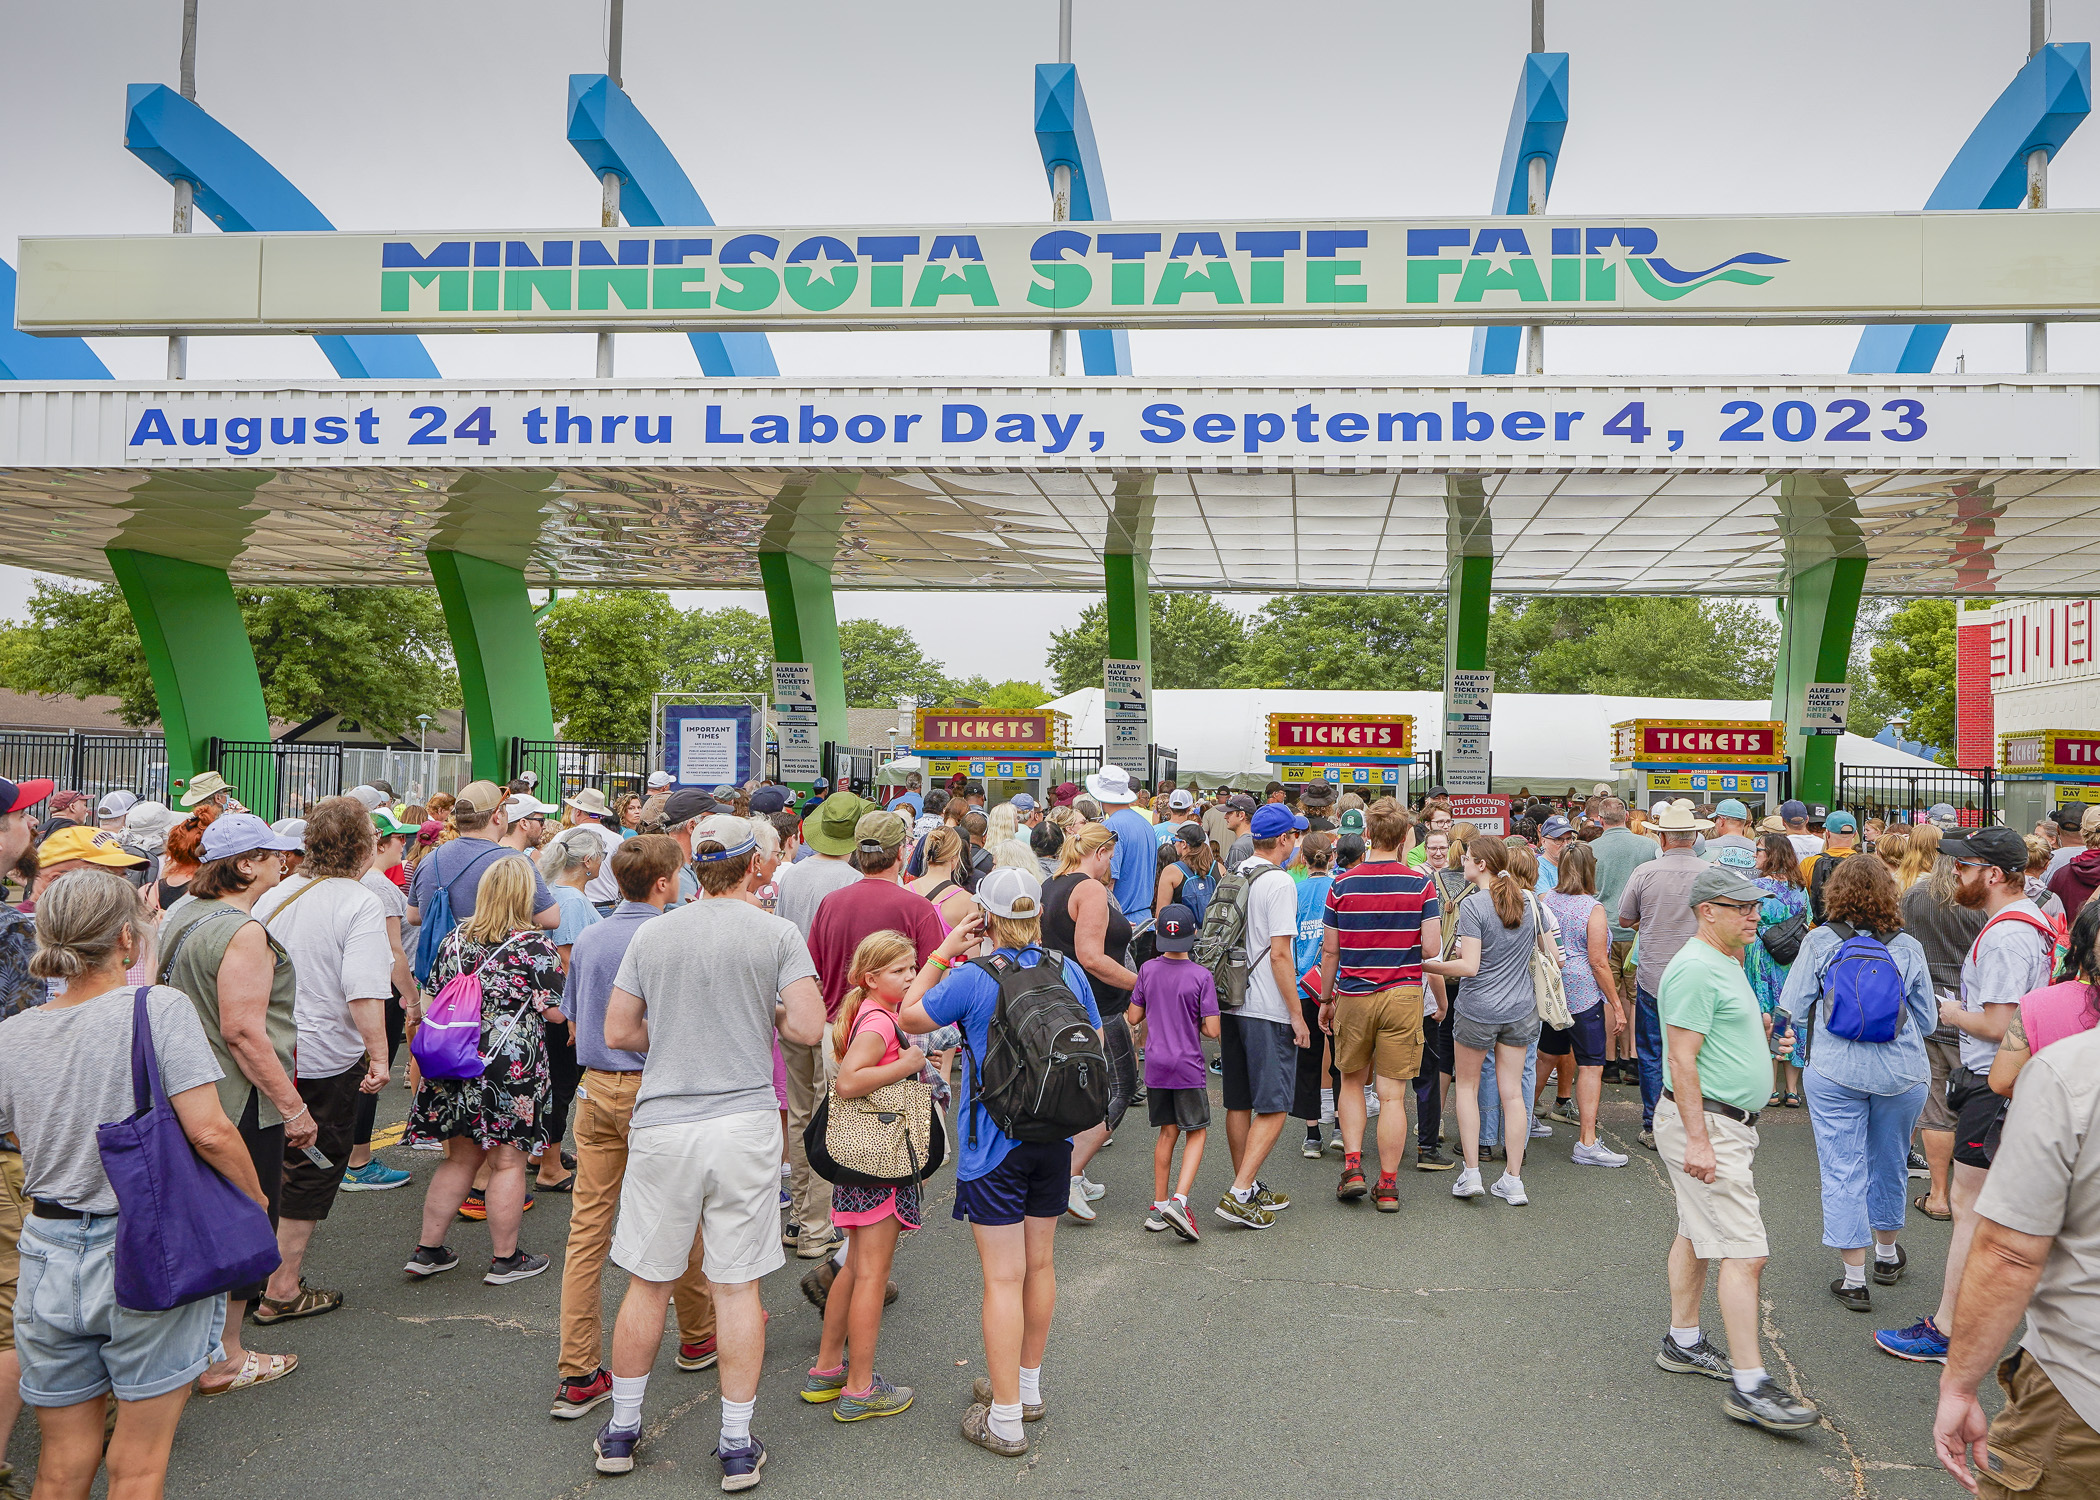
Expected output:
{"points": [[843, 761], [277, 780], [1081, 761], [92, 763], [566, 767], [1875, 792], [1427, 772]]}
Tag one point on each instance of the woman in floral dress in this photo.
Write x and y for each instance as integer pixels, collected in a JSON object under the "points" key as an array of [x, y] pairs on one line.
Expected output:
{"points": [[501, 1116], [1779, 873]]}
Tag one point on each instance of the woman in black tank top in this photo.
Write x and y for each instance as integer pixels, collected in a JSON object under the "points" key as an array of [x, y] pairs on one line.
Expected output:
{"points": [[1082, 922]]}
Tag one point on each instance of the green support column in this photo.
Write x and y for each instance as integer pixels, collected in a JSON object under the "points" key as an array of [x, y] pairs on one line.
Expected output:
{"points": [[197, 651], [1129, 609], [1466, 614], [496, 646], [1815, 645], [805, 623]]}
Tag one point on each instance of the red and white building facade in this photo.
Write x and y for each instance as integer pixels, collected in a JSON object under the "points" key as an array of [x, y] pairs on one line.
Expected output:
{"points": [[2024, 666]]}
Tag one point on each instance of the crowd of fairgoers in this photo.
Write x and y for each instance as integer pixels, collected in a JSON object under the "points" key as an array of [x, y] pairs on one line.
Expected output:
{"points": [[739, 1024]]}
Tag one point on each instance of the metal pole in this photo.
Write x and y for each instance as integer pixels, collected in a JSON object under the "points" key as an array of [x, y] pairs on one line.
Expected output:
{"points": [[1061, 179], [2037, 184], [185, 190], [1535, 203], [1538, 25], [2037, 25], [615, 34], [608, 218]]}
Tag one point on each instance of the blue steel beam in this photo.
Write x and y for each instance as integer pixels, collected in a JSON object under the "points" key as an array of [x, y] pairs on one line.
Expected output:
{"points": [[1537, 121], [611, 135], [2047, 99], [26, 357], [244, 194], [1064, 133]]}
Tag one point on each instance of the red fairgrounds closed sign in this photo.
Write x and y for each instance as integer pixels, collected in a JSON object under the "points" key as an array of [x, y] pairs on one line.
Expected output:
{"points": [[1352, 735]]}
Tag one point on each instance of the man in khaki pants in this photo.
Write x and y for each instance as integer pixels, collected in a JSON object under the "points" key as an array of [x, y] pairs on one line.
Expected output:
{"points": [[646, 870]]}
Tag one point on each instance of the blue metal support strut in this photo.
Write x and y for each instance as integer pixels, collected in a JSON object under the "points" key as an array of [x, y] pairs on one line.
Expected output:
{"points": [[1065, 135], [1537, 121]]}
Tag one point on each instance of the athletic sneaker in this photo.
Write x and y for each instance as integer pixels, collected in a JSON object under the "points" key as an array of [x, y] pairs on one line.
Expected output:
{"points": [[1510, 1190], [790, 1233], [1701, 1359], [1269, 1198], [1855, 1297], [1647, 1139], [1176, 1212], [812, 1246], [786, 1198], [1352, 1186], [1596, 1154], [581, 1393], [1922, 1342], [1468, 1184], [1769, 1407], [1095, 1192], [1540, 1130], [1889, 1272], [818, 1388], [425, 1143], [1432, 1159], [428, 1261], [1155, 1221], [1371, 1102], [1314, 1146], [1387, 1194], [740, 1466], [476, 1206], [1077, 1203], [697, 1356], [1217, 1067], [1337, 1145], [1249, 1215], [615, 1447], [518, 1266], [375, 1176], [880, 1399], [1565, 1111], [1918, 1166]]}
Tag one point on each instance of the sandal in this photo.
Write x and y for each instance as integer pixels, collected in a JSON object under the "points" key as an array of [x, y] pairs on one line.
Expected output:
{"points": [[1919, 1204], [566, 1185], [1778, 1098], [1794, 1101], [311, 1302], [256, 1369]]}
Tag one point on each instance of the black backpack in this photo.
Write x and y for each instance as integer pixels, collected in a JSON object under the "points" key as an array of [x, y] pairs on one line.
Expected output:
{"points": [[1044, 1075]]}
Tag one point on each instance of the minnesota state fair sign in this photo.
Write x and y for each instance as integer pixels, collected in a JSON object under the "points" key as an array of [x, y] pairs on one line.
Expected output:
{"points": [[1341, 737], [1988, 266], [971, 731], [1675, 742]]}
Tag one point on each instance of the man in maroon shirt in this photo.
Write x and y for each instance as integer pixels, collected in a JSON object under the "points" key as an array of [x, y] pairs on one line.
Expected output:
{"points": [[874, 903]]}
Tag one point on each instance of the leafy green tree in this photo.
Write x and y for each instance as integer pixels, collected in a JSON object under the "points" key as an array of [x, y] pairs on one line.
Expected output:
{"points": [[1871, 707], [1388, 641], [1669, 646], [376, 655], [607, 651], [1195, 641], [1914, 665], [885, 663], [722, 651], [1547, 643], [1016, 697], [977, 688]]}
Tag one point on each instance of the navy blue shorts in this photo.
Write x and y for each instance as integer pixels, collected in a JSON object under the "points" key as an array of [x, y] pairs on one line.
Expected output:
{"points": [[1585, 1039], [1033, 1182]]}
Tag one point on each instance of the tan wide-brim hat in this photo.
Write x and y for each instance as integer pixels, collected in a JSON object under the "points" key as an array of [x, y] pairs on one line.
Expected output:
{"points": [[589, 800], [1676, 817], [203, 788]]}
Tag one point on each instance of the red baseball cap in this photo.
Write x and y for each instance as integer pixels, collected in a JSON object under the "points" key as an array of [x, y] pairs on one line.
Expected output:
{"points": [[16, 795]]}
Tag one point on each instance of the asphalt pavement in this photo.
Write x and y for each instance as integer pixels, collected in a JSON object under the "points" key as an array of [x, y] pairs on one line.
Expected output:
{"points": [[1459, 1349]]}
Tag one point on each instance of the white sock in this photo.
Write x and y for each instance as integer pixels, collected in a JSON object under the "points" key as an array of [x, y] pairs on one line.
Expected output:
{"points": [[1032, 1386], [627, 1400], [736, 1423], [1855, 1275], [1006, 1421], [1685, 1338], [1886, 1254], [838, 1256], [1243, 1195], [1747, 1381], [1326, 1103], [1161, 1202]]}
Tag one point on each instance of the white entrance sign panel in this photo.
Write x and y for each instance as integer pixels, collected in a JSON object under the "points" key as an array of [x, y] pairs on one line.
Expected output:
{"points": [[707, 751], [1828, 703], [1990, 266], [794, 690]]}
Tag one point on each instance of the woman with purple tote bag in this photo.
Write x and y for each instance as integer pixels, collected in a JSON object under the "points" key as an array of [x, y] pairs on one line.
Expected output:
{"points": [[68, 1073]]}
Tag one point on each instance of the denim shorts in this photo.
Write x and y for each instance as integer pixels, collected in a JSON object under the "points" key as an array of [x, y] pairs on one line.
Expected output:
{"points": [[75, 1342]]}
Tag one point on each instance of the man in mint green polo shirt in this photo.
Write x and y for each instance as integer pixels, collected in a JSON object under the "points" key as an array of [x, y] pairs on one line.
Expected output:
{"points": [[1717, 1071]]}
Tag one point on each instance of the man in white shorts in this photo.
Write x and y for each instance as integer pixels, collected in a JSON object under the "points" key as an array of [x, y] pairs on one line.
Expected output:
{"points": [[700, 992]]}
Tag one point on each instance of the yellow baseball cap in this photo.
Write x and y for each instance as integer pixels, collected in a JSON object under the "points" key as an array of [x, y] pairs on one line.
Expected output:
{"points": [[92, 845]]}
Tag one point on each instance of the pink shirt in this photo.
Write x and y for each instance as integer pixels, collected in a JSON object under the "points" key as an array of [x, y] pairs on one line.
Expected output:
{"points": [[2055, 1012]]}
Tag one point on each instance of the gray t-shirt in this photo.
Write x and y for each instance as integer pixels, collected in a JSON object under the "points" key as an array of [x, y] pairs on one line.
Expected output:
{"points": [[1501, 992], [64, 1069], [810, 882], [1619, 851], [709, 974], [1658, 898], [1732, 850], [1241, 851], [2045, 1180]]}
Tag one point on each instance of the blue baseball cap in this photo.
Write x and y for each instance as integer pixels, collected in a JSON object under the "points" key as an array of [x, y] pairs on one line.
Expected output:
{"points": [[1556, 827], [1175, 931], [1730, 808], [1023, 803], [1841, 822], [1273, 820], [244, 833]]}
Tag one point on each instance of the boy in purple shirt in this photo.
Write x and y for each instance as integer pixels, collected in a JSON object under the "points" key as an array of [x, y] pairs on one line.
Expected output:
{"points": [[1181, 1000]]}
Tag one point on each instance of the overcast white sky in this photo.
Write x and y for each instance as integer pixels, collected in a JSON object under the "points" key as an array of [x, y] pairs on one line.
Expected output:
{"points": [[395, 115]]}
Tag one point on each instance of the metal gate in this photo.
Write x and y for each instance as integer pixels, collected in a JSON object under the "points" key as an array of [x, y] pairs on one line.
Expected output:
{"points": [[415, 775], [566, 767], [277, 780], [843, 761], [91, 763], [1426, 772], [1874, 792]]}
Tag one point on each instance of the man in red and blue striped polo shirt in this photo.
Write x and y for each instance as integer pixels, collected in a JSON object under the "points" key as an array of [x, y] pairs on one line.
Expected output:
{"points": [[1371, 994]]}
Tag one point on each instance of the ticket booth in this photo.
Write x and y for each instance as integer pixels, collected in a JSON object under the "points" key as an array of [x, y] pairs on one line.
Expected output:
{"points": [[1009, 753], [2040, 769], [1370, 754], [1660, 760]]}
